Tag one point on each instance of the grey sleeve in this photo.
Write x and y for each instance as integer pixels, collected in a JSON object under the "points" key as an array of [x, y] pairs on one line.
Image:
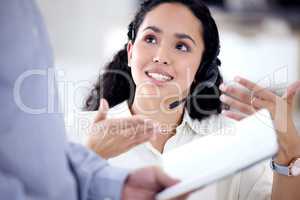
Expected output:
{"points": [[36, 162], [95, 177], [11, 188]]}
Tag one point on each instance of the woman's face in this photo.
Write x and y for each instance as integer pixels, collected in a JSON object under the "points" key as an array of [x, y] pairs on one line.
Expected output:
{"points": [[167, 51]]}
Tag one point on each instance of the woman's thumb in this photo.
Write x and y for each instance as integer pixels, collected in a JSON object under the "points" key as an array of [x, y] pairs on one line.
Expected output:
{"points": [[292, 91], [102, 111]]}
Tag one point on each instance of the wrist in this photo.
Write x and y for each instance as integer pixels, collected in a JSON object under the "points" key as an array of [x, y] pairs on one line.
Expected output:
{"points": [[113, 178], [98, 149], [287, 153]]}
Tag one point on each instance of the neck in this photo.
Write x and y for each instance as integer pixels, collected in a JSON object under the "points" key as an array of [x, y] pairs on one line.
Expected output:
{"points": [[158, 109]]}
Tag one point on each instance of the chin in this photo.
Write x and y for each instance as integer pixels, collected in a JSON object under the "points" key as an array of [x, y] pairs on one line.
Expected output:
{"points": [[161, 92]]}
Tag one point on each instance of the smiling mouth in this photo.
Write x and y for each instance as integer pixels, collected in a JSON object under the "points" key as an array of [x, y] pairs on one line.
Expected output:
{"points": [[159, 77]]}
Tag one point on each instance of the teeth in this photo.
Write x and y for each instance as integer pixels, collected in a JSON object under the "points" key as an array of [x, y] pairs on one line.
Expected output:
{"points": [[159, 77]]}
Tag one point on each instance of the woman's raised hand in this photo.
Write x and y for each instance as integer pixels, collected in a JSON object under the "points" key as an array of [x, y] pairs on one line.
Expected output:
{"points": [[111, 137], [280, 108]]}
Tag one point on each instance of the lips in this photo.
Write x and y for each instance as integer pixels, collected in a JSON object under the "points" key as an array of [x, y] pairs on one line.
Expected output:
{"points": [[159, 75]]}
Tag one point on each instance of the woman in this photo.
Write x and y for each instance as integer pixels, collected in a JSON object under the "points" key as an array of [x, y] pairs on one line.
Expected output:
{"points": [[168, 72]]}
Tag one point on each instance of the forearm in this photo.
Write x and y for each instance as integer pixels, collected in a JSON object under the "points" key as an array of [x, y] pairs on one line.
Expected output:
{"points": [[285, 187], [96, 178], [11, 188]]}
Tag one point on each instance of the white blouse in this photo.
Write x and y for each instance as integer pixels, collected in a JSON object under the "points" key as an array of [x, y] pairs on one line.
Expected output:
{"points": [[252, 184]]}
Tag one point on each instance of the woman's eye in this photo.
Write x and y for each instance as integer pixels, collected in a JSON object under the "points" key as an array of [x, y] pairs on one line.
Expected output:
{"points": [[150, 39], [182, 47]]}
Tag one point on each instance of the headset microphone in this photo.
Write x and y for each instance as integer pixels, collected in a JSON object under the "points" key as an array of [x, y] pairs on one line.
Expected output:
{"points": [[176, 103]]}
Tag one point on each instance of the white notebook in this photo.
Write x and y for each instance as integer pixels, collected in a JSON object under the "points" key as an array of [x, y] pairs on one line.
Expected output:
{"points": [[216, 156]]}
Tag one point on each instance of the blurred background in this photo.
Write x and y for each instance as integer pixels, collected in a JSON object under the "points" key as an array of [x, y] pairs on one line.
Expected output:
{"points": [[260, 40]]}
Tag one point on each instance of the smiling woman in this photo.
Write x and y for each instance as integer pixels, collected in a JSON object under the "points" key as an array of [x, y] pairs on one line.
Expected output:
{"points": [[171, 58], [166, 53], [178, 43]]}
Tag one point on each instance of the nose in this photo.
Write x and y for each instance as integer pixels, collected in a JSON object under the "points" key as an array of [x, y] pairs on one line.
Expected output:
{"points": [[162, 57]]}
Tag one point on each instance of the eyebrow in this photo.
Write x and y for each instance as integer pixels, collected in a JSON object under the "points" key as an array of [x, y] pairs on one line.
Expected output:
{"points": [[178, 35]]}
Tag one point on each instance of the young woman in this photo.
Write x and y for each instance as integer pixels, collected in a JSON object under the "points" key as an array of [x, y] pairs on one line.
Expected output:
{"points": [[168, 72]]}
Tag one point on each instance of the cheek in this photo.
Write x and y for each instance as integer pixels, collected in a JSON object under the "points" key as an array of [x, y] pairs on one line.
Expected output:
{"points": [[140, 56], [138, 63], [186, 75], [137, 75]]}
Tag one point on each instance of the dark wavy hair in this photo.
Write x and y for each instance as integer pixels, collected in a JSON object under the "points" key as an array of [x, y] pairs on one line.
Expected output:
{"points": [[116, 83]]}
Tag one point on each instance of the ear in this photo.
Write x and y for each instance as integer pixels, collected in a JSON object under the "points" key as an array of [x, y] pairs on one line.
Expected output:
{"points": [[129, 52]]}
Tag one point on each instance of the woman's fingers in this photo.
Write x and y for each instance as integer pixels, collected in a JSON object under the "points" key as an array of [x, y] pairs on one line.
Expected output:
{"points": [[260, 103], [138, 126], [115, 125], [291, 92], [260, 97], [256, 104], [111, 137], [236, 93], [114, 139], [233, 115], [102, 111], [140, 132], [256, 90], [133, 128], [242, 107]]}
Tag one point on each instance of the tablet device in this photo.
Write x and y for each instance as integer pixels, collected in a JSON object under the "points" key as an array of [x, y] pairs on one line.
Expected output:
{"points": [[216, 156]]}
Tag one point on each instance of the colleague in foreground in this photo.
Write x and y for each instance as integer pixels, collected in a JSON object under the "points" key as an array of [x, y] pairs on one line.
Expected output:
{"points": [[168, 72], [36, 161]]}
